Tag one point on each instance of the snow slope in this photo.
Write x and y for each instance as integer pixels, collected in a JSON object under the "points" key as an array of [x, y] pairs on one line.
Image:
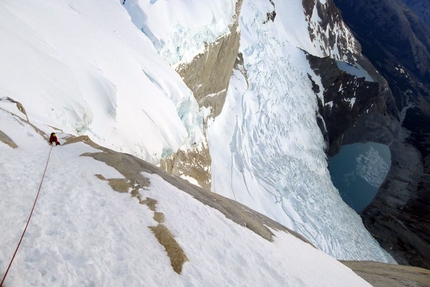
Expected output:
{"points": [[82, 233], [102, 69], [74, 68]]}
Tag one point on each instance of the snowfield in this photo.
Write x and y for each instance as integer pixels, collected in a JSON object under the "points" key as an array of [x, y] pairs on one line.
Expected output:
{"points": [[83, 233]]}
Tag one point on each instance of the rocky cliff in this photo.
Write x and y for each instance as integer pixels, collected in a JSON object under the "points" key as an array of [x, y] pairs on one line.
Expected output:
{"points": [[346, 97]]}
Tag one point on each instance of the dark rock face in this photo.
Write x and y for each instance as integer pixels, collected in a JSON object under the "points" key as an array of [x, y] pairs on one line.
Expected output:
{"points": [[397, 42], [346, 97]]}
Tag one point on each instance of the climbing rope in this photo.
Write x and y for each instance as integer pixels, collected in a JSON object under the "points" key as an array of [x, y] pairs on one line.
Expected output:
{"points": [[28, 220]]}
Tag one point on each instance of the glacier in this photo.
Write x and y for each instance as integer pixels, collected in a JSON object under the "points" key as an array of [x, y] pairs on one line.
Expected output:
{"points": [[268, 140]]}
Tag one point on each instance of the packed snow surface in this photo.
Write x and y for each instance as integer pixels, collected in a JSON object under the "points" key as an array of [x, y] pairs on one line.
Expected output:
{"points": [[104, 69], [82, 233]]}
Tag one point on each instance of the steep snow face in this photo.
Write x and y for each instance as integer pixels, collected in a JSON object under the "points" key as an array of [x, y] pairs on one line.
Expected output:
{"points": [[82, 233], [179, 29], [87, 70]]}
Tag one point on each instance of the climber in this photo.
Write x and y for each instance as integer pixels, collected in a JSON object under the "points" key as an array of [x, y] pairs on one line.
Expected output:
{"points": [[53, 139]]}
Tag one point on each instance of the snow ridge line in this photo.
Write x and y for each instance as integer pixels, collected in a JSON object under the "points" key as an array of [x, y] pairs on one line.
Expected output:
{"points": [[28, 220]]}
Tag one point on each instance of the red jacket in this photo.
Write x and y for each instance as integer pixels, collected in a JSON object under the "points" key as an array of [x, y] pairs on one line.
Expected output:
{"points": [[53, 139]]}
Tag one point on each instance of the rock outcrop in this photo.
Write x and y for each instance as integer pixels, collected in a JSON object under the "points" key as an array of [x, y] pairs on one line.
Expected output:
{"points": [[345, 98], [382, 274], [208, 77], [330, 33]]}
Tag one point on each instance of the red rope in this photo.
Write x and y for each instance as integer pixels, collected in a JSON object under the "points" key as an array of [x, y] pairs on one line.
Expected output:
{"points": [[28, 220]]}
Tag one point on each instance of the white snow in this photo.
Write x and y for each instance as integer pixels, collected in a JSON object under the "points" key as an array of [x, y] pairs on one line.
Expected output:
{"points": [[178, 29], [72, 67], [351, 102]]}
